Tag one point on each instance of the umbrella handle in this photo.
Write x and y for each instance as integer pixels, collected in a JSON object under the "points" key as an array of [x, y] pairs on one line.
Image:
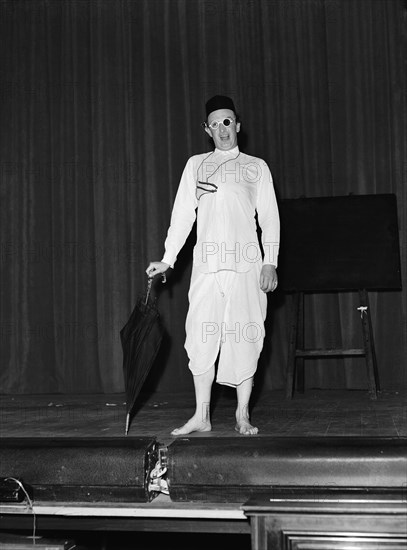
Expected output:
{"points": [[150, 284]]}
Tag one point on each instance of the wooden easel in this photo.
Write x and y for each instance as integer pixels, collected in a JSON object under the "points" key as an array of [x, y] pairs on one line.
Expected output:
{"points": [[337, 244], [297, 352]]}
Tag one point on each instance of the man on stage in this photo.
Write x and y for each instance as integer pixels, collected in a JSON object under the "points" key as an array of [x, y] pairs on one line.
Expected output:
{"points": [[230, 276]]}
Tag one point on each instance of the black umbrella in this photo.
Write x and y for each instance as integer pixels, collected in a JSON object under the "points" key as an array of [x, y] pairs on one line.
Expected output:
{"points": [[141, 338]]}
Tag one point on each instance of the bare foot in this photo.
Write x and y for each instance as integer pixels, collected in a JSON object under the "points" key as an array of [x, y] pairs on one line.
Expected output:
{"points": [[194, 424], [244, 427]]}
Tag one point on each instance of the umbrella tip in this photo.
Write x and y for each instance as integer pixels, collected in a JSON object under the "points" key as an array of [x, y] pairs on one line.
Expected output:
{"points": [[127, 423]]}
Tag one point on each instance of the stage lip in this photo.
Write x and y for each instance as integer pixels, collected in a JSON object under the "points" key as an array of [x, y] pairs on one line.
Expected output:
{"points": [[234, 469], [222, 513], [81, 469]]}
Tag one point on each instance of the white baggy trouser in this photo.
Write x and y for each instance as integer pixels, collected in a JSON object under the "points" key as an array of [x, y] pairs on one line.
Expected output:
{"points": [[226, 313]]}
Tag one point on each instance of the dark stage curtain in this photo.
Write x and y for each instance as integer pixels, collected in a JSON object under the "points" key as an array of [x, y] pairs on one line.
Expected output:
{"points": [[101, 104]]}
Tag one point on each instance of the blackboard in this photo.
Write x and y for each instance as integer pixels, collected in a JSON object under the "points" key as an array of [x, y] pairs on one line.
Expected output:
{"points": [[339, 243]]}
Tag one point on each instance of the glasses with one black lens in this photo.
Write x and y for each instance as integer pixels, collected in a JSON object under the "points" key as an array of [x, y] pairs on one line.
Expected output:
{"points": [[214, 125]]}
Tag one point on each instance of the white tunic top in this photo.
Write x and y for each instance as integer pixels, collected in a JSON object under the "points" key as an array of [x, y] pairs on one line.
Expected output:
{"points": [[227, 188]]}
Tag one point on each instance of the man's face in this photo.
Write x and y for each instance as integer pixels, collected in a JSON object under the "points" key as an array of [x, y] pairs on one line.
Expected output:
{"points": [[225, 137]]}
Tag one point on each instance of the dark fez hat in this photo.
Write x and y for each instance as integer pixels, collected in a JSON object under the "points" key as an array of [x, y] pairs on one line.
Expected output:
{"points": [[219, 102]]}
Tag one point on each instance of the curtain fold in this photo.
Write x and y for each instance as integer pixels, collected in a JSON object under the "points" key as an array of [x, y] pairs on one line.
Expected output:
{"points": [[101, 107]]}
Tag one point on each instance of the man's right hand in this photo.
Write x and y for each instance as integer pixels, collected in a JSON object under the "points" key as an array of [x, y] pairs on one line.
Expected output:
{"points": [[155, 268]]}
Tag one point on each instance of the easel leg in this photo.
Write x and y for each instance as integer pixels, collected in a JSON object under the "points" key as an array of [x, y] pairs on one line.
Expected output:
{"points": [[300, 345], [368, 343], [375, 369], [292, 345]]}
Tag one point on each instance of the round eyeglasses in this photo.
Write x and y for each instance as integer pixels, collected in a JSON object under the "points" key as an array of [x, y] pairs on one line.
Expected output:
{"points": [[214, 125]]}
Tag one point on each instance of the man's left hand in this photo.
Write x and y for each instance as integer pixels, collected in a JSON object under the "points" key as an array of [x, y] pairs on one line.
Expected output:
{"points": [[268, 278]]}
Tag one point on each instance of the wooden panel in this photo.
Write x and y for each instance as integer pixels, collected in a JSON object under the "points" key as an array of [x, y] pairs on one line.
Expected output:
{"points": [[343, 522], [348, 541]]}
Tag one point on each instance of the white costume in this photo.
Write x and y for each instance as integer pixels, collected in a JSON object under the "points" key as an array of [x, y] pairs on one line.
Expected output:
{"points": [[227, 307]]}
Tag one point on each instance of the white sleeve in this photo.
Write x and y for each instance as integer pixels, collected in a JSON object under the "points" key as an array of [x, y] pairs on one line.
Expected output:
{"points": [[183, 215], [268, 217]]}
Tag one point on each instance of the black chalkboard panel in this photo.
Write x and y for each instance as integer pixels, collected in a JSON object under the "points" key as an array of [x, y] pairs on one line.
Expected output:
{"points": [[339, 243]]}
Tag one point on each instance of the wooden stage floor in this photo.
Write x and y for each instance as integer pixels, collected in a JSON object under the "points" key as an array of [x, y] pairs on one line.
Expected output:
{"points": [[314, 413]]}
